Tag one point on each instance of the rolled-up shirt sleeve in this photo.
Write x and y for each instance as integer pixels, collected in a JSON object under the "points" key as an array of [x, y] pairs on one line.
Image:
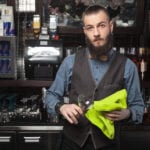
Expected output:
{"points": [[132, 84]]}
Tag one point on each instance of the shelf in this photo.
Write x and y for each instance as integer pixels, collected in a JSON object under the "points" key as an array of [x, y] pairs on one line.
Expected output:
{"points": [[69, 30], [25, 83], [126, 30], [54, 128]]}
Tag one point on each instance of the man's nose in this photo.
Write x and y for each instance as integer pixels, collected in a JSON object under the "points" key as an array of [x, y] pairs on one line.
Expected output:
{"points": [[96, 31]]}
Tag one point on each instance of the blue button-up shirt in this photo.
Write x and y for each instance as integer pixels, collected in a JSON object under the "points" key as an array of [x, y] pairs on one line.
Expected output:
{"points": [[98, 68]]}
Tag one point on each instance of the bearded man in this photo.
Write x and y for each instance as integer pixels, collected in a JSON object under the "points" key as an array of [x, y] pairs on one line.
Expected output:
{"points": [[95, 72]]}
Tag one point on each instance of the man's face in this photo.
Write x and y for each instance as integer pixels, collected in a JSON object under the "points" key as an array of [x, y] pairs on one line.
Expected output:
{"points": [[98, 31]]}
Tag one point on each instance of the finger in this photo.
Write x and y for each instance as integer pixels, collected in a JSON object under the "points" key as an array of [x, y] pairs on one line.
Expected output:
{"points": [[113, 118], [71, 117], [115, 112], [112, 115], [78, 110], [68, 118], [77, 113], [74, 118]]}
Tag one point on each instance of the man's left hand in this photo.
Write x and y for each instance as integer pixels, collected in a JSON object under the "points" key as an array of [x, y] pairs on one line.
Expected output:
{"points": [[118, 115]]}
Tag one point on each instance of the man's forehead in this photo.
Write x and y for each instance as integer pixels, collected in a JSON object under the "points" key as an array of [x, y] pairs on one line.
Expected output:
{"points": [[98, 16]]}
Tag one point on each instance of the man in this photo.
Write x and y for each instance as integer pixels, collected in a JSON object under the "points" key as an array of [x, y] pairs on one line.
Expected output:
{"points": [[95, 72]]}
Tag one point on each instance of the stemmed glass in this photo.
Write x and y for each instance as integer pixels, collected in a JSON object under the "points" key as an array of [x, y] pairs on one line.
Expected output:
{"points": [[83, 102]]}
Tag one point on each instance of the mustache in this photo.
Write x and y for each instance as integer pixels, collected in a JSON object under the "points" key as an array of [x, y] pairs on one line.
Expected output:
{"points": [[98, 39]]}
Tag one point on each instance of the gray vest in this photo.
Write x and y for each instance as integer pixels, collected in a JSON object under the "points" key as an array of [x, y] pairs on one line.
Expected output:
{"points": [[83, 83]]}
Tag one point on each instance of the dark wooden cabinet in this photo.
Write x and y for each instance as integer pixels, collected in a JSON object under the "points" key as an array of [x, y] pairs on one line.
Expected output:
{"points": [[132, 137], [37, 140], [7, 140], [30, 137]]}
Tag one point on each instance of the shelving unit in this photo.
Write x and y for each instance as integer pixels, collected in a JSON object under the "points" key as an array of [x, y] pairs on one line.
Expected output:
{"points": [[25, 83]]}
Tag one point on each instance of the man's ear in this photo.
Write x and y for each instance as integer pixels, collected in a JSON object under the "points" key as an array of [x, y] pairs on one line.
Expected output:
{"points": [[85, 32], [112, 26]]}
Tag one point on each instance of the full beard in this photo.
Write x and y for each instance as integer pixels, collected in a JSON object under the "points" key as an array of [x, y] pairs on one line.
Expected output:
{"points": [[97, 52]]}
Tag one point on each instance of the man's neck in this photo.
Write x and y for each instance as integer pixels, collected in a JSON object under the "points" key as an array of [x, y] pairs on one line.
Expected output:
{"points": [[102, 57]]}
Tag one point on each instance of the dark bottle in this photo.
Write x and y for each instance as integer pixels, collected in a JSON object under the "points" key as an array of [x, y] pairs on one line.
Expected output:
{"points": [[147, 63], [142, 63]]}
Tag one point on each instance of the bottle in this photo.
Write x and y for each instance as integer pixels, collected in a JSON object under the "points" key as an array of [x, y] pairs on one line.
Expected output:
{"points": [[142, 63], [53, 27], [142, 68], [122, 50], [36, 25], [147, 64]]}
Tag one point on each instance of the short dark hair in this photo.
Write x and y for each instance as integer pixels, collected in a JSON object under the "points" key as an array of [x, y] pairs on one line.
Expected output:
{"points": [[94, 9]]}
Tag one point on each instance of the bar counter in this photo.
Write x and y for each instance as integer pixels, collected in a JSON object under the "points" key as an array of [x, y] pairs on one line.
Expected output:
{"points": [[32, 128]]}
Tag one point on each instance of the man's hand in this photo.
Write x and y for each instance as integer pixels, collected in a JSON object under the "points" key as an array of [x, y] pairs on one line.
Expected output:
{"points": [[118, 114], [71, 112]]}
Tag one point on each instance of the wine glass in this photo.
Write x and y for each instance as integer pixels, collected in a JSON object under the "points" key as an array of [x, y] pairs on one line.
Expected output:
{"points": [[83, 102]]}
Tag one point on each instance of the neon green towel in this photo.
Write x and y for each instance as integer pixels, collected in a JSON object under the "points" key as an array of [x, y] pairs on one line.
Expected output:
{"points": [[95, 115]]}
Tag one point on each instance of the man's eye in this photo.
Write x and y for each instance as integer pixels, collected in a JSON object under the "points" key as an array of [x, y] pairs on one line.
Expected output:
{"points": [[89, 28], [102, 26]]}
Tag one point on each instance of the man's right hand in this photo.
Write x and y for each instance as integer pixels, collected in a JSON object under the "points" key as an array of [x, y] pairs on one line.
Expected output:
{"points": [[71, 112]]}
